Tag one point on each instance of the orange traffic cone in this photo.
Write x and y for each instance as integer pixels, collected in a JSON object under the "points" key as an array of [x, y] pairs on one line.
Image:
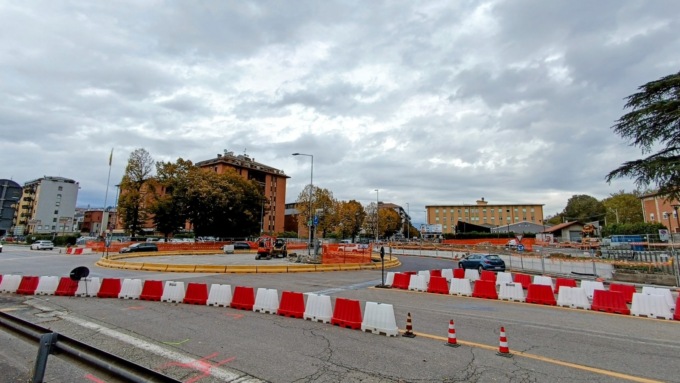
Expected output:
{"points": [[453, 342], [503, 349], [409, 328]]}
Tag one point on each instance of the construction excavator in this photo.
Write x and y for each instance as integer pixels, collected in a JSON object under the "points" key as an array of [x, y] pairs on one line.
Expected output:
{"points": [[268, 247]]}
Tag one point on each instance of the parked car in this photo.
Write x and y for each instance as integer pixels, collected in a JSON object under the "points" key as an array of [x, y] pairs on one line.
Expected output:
{"points": [[482, 262], [139, 247], [241, 246], [42, 245], [349, 247], [0, 247]]}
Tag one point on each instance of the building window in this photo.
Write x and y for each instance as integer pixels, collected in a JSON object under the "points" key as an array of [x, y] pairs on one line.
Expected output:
{"points": [[56, 212], [665, 215], [60, 188], [54, 220], [651, 217], [54, 228]]}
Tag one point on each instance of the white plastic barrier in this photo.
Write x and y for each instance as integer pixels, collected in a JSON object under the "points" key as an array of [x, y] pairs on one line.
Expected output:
{"points": [[47, 285], [460, 287], [266, 301], [448, 274], [543, 280], [426, 274], [130, 289], [574, 297], [219, 295], [665, 293], [88, 287], [318, 308], [379, 319], [653, 306], [389, 279], [503, 277], [417, 283], [511, 292], [590, 287], [173, 292], [10, 283], [471, 274]]}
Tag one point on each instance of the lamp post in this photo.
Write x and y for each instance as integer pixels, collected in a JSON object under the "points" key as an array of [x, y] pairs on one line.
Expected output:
{"points": [[377, 216], [311, 188]]}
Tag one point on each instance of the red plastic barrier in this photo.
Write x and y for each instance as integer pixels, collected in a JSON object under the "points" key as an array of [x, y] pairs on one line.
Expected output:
{"points": [[541, 294], [401, 281], [110, 288], [626, 290], [610, 301], [347, 313], [0, 277], [28, 285], [438, 285], [488, 276], [196, 294], [435, 273], [411, 272], [676, 315], [292, 305], [566, 282], [152, 291], [244, 298], [523, 279], [459, 273], [485, 289], [67, 287]]}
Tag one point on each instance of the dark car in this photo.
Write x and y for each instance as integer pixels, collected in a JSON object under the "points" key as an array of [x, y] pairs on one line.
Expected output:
{"points": [[482, 262], [139, 247], [241, 246]]}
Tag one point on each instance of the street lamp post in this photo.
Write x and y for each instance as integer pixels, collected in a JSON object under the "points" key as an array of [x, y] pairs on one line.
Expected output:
{"points": [[377, 215], [311, 188]]}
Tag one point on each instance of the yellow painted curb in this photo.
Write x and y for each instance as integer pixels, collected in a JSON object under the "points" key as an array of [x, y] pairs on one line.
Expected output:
{"points": [[327, 267], [272, 269], [350, 267], [131, 265], [241, 269], [181, 268], [301, 268], [210, 269], [154, 267]]}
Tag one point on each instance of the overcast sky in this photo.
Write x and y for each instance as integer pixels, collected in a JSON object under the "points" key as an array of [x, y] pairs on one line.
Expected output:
{"points": [[431, 102]]}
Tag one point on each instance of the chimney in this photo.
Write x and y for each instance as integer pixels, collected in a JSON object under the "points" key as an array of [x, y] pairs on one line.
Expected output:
{"points": [[482, 202]]}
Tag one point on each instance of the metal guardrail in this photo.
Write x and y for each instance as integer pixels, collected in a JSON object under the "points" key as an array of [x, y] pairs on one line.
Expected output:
{"points": [[76, 352]]}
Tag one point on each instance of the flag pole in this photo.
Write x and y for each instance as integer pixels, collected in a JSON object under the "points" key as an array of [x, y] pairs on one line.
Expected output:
{"points": [[105, 222]]}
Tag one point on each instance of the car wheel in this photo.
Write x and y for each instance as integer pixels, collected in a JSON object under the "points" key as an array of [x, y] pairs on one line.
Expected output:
{"points": [[480, 269], [460, 266]]}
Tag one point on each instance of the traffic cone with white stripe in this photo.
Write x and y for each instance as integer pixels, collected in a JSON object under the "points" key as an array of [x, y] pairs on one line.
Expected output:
{"points": [[452, 342], [409, 328], [503, 349]]}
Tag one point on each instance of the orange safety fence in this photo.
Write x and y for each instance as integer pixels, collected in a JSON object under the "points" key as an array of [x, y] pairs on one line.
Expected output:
{"points": [[334, 253], [528, 243], [170, 246]]}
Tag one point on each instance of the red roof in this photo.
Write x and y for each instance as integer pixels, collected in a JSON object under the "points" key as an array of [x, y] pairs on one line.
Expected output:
{"points": [[562, 226]]}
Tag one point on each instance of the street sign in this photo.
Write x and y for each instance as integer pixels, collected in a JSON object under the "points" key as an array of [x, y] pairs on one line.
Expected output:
{"points": [[663, 234], [519, 238], [520, 247], [316, 220], [382, 252]]}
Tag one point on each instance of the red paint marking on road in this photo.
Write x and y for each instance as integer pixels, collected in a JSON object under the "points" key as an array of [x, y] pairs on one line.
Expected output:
{"points": [[203, 365], [94, 378], [135, 308], [235, 316]]}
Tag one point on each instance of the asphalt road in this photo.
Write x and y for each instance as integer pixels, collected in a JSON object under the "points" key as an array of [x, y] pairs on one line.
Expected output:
{"points": [[211, 344]]}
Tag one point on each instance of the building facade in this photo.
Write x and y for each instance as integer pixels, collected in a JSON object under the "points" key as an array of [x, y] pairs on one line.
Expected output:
{"points": [[272, 184], [47, 206], [658, 208], [93, 220], [483, 214], [10, 194]]}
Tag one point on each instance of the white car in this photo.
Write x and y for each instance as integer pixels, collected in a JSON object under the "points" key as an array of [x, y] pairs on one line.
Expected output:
{"points": [[42, 245], [350, 247], [0, 247]]}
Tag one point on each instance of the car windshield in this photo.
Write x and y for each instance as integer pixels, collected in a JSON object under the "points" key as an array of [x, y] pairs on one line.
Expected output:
{"points": [[493, 257]]}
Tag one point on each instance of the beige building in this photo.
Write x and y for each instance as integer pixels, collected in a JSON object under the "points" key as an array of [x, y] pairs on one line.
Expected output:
{"points": [[483, 214]]}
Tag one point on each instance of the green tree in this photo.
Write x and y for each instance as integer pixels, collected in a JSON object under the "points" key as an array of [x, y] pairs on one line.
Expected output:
{"points": [[583, 208], [170, 206], [623, 207], [390, 222], [653, 122], [134, 190], [324, 206]]}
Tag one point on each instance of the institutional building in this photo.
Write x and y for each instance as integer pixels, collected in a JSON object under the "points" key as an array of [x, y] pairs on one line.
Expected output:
{"points": [[483, 214], [47, 205], [272, 184], [659, 208]]}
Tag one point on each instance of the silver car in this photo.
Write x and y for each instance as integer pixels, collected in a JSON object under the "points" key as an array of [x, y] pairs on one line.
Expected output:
{"points": [[42, 245]]}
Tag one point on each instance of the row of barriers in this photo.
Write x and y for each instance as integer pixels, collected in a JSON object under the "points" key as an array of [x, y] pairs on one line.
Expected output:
{"points": [[377, 318], [651, 302]]}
